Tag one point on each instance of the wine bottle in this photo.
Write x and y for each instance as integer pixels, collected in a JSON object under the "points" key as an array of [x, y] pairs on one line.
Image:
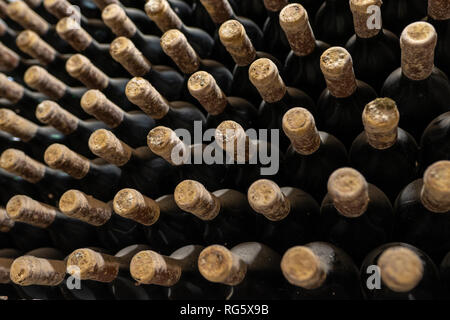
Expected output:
{"points": [[333, 22], [312, 156], [30, 43], [38, 137], [70, 31], [176, 46], [4, 16], [397, 14], [421, 208], [253, 9], [233, 36], [177, 274], [302, 64], [39, 79], [341, 104], [275, 40], [278, 98], [13, 64], [21, 13], [320, 270], [249, 270], [40, 9], [131, 127], [101, 181], [66, 233], [117, 20], [76, 131], [201, 17], [434, 145], [8, 37], [384, 153], [175, 115], [140, 169], [354, 210], [114, 232], [23, 236], [406, 273], [165, 79], [166, 227], [49, 183], [226, 214], [418, 87], [82, 69], [289, 215], [7, 289], [113, 270], [95, 27], [9, 141], [375, 51], [205, 89], [439, 17], [88, 8], [12, 184]]}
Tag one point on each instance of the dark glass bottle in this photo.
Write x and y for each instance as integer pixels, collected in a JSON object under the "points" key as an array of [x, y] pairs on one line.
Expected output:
{"points": [[397, 14], [355, 216], [375, 51], [13, 64], [12, 185], [439, 17], [201, 17], [420, 90], [333, 22], [9, 141], [402, 272], [312, 156], [319, 270], [255, 271], [8, 37], [385, 154], [40, 9], [275, 40], [341, 104], [288, 215], [252, 9], [88, 8]]}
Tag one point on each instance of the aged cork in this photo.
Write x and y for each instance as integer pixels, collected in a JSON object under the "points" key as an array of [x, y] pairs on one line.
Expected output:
{"points": [[58, 156], [233, 36], [264, 75], [204, 88], [10, 90], [231, 137], [39, 79], [141, 93], [401, 269], [71, 31], [131, 204], [61, 8], [9, 60], [219, 10], [82, 69], [5, 267], [125, 52], [16, 125], [115, 17], [275, 5], [439, 9], [435, 195], [24, 209], [300, 127], [21, 13], [106, 145], [29, 270], [31, 43], [165, 143], [266, 198], [6, 223], [95, 103], [18, 163], [176, 46], [162, 14], [51, 113], [362, 17]]}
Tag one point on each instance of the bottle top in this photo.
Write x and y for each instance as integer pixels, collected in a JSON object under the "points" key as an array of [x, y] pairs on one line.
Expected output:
{"points": [[16, 125], [362, 11], [71, 32], [95, 103], [435, 195], [6, 223], [125, 52], [9, 60], [10, 90], [131, 204], [29, 270], [163, 15], [24, 209], [165, 143], [61, 8], [264, 75], [31, 43], [176, 46], [266, 198], [18, 163], [219, 10], [105, 144], [117, 20], [275, 5], [204, 88], [39, 79], [231, 137], [439, 9], [51, 113], [233, 36], [21, 13], [82, 69], [58, 156]]}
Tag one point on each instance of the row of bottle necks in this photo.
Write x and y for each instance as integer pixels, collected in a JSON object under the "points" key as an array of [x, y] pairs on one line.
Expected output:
{"points": [[247, 271]]}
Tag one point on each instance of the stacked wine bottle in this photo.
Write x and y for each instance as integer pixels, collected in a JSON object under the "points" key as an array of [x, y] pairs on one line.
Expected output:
{"points": [[225, 149]]}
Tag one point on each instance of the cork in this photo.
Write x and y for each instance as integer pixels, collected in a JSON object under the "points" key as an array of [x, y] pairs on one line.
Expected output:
{"points": [[418, 41], [34, 3], [337, 67], [275, 5], [149, 267], [3, 26], [165, 143], [32, 44], [218, 264], [58, 156], [102, 4], [18, 163], [131, 204], [6, 223], [29, 270], [349, 191], [141, 93], [294, 21], [17, 126], [78, 205], [439, 9], [61, 8], [231, 137], [82, 69], [380, 118], [266, 198], [10, 90], [160, 12], [3, 9], [125, 52], [98, 105], [302, 268], [219, 10], [300, 127], [435, 194], [24, 209], [51, 113], [9, 60], [105, 144], [176, 46], [70, 31], [233, 36], [5, 266], [39, 79], [115, 17], [264, 75], [191, 196], [362, 17], [401, 269], [21, 13], [88, 264], [204, 88]]}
